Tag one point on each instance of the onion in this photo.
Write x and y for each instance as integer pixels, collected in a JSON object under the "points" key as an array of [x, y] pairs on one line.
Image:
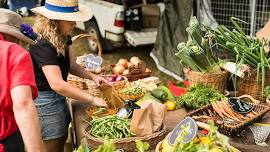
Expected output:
{"points": [[126, 72], [133, 59], [148, 70], [111, 79], [118, 78], [123, 62], [136, 63], [129, 64], [118, 69]]}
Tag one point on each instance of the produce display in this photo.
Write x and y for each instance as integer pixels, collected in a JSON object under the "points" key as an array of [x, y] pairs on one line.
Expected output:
{"points": [[197, 52], [132, 67], [224, 110], [108, 146], [206, 140], [111, 127], [148, 84], [224, 114], [198, 96], [131, 92], [266, 92], [244, 49], [199, 57], [160, 94], [114, 78]]}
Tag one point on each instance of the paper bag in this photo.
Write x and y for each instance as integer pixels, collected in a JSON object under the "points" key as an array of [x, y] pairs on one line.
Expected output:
{"points": [[158, 113], [141, 122], [148, 119], [110, 94]]}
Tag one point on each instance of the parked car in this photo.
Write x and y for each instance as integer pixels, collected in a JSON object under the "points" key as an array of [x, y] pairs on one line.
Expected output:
{"points": [[109, 25]]}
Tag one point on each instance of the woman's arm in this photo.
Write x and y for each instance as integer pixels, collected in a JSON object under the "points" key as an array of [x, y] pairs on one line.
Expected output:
{"points": [[27, 118], [56, 82]]}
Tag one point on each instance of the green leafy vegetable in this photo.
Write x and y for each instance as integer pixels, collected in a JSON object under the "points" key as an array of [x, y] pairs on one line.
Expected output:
{"points": [[142, 146], [211, 142], [266, 91], [197, 53], [245, 49], [198, 96]]}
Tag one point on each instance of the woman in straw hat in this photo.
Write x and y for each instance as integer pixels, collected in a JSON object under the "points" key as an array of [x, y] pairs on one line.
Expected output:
{"points": [[19, 123], [53, 61]]}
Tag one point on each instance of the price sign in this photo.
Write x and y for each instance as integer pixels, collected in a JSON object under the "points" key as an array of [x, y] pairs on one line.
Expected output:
{"points": [[93, 62], [186, 130], [240, 106]]}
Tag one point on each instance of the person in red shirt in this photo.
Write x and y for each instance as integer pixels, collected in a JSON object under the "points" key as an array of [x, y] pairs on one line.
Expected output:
{"points": [[19, 123]]}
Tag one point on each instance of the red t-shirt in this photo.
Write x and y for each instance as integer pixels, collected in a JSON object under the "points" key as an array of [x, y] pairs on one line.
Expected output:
{"points": [[16, 68]]}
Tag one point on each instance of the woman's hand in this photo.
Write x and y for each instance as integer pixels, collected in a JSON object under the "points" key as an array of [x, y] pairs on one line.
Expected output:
{"points": [[98, 80], [99, 102]]}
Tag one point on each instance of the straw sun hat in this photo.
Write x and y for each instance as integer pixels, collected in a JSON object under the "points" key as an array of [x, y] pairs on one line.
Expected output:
{"points": [[10, 23], [67, 10]]}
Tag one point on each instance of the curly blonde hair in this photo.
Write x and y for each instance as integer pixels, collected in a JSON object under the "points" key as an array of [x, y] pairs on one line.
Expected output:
{"points": [[48, 29]]}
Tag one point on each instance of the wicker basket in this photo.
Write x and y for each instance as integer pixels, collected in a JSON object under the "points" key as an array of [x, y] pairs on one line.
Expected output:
{"points": [[93, 89], [217, 80], [128, 144], [137, 74], [250, 85], [119, 84], [232, 129], [80, 59], [135, 77], [77, 82], [200, 125]]}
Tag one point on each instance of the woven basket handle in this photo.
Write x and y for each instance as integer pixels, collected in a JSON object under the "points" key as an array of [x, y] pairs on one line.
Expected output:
{"points": [[90, 37], [250, 97]]}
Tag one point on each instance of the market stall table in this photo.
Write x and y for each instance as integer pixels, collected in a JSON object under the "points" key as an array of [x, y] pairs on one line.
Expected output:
{"points": [[172, 118]]}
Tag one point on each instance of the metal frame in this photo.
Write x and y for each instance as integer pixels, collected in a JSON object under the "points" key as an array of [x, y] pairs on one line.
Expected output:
{"points": [[255, 12]]}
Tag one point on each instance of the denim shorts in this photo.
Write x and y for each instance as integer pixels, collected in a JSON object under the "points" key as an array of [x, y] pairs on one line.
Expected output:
{"points": [[53, 113]]}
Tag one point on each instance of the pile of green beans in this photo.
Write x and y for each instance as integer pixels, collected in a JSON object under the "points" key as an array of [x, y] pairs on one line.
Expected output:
{"points": [[111, 127]]}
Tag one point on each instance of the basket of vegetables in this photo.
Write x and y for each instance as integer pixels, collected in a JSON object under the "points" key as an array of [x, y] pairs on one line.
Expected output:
{"points": [[132, 92], [245, 50], [197, 56], [118, 129], [266, 94], [198, 96], [252, 85], [216, 79], [133, 70], [232, 115], [117, 81], [207, 139]]}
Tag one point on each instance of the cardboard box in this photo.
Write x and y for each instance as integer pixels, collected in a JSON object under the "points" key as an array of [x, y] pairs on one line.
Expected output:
{"points": [[150, 15]]}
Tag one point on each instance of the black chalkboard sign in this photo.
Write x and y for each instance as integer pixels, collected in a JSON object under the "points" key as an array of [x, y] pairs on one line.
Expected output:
{"points": [[240, 106]]}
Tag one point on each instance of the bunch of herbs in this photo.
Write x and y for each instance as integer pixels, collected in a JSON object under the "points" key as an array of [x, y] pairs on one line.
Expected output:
{"points": [[198, 96]]}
